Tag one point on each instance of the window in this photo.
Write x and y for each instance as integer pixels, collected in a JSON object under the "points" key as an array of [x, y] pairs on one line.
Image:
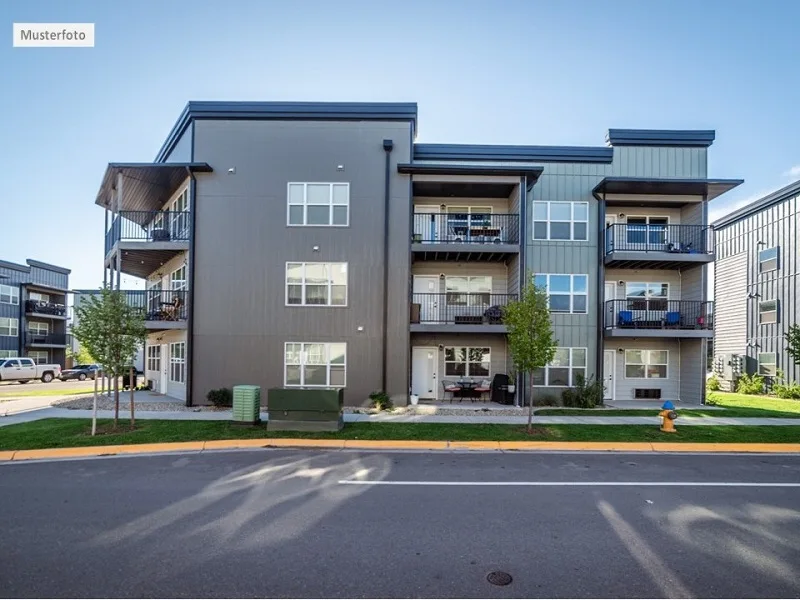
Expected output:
{"points": [[177, 279], [154, 358], [154, 298], [768, 260], [467, 362], [462, 220], [9, 294], [564, 369], [468, 291], [767, 364], [560, 220], [646, 364], [39, 297], [316, 284], [314, 364], [177, 362], [647, 230], [179, 215], [567, 292], [40, 357], [647, 296], [9, 326], [768, 312], [8, 354], [319, 204], [38, 328]]}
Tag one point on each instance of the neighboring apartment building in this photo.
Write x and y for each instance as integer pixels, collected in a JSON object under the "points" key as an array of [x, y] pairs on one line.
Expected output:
{"points": [[756, 287], [316, 244], [33, 311]]}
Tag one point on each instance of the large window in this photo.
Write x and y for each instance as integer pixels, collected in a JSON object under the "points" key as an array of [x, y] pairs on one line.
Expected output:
{"points": [[768, 312], [647, 296], [40, 357], [179, 215], [314, 364], [564, 369], [768, 260], [38, 327], [468, 291], [767, 363], [9, 326], [9, 294], [177, 362], [316, 284], [560, 220], [567, 293], [38, 297], [177, 279], [319, 204], [646, 364], [8, 354], [467, 362], [154, 358], [647, 231]]}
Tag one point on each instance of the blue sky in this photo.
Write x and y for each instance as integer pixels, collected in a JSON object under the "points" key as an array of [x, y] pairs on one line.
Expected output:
{"points": [[502, 72]]}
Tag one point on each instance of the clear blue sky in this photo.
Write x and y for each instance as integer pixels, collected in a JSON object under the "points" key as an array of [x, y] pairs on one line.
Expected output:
{"points": [[499, 72]]}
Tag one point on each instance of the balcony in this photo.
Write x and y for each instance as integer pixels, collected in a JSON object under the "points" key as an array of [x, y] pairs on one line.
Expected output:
{"points": [[35, 339], [455, 312], [636, 246], [163, 309], [657, 318], [146, 239], [50, 310], [464, 237]]}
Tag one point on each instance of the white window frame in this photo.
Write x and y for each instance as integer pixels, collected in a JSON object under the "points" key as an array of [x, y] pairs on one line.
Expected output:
{"points": [[11, 292], [330, 266], [647, 298], [305, 203], [548, 221], [467, 361], [772, 313], [38, 328], [11, 325], [39, 297], [764, 363], [647, 362], [179, 212], [177, 362], [302, 363], [647, 228], [36, 356], [178, 284], [767, 261], [572, 293], [4, 354], [572, 369], [473, 298], [154, 358]]}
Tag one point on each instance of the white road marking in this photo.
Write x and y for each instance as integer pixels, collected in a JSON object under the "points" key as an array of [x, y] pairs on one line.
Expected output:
{"points": [[577, 483]]}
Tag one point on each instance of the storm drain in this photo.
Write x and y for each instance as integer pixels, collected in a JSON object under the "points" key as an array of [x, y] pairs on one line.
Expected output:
{"points": [[498, 578]]}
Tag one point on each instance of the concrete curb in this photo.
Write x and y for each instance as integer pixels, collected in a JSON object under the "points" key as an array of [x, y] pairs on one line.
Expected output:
{"points": [[89, 451]]}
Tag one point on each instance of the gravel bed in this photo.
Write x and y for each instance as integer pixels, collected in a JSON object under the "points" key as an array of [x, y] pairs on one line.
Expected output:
{"points": [[456, 411], [103, 403]]}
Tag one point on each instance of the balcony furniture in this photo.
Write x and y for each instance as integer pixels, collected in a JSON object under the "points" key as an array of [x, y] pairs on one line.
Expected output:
{"points": [[160, 235], [468, 389], [500, 393], [468, 319], [452, 387], [625, 318], [416, 309], [171, 310], [672, 319], [484, 387], [493, 315]]}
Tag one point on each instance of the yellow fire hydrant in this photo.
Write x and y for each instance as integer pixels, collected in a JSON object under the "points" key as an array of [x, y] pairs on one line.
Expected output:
{"points": [[668, 416]]}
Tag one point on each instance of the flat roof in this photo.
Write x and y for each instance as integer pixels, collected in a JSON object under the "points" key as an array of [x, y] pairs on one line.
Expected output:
{"points": [[661, 137], [26, 268], [491, 153], [710, 188], [793, 189], [532, 173]]}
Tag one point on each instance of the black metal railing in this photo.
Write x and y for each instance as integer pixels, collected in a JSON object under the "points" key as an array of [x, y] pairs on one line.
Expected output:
{"points": [[148, 226], [455, 308], [45, 308], [450, 228], [159, 305], [657, 313], [33, 338], [675, 239]]}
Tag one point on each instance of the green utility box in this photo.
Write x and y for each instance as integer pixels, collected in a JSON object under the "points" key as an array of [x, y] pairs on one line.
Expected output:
{"points": [[305, 409], [246, 404]]}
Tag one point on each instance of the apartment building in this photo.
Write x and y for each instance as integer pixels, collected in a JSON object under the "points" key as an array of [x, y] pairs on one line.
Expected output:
{"points": [[33, 311], [318, 244], [756, 287]]}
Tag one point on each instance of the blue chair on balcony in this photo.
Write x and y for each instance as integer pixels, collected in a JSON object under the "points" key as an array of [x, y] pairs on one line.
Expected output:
{"points": [[625, 318], [672, 319]]}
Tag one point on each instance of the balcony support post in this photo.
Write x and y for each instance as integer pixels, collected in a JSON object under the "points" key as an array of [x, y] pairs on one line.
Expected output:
{"points": [[602, 231], [118, 261]]}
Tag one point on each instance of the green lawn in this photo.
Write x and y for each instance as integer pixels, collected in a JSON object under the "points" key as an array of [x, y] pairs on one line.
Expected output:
{"points": [[19, 391], [59, 433], [743, 401]]}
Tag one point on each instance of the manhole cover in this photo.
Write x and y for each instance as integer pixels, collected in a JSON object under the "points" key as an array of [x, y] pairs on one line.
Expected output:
{"points": [[498, 578]]}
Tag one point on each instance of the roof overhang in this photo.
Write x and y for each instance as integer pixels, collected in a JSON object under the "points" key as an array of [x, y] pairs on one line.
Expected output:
{"points": [[643, 186], [793, 189], [145, 186], [472, 152], [680, 138], [530, 173]]}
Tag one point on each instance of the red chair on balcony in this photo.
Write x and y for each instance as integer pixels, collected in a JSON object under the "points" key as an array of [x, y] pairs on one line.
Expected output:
{"points": [[452, 387]]}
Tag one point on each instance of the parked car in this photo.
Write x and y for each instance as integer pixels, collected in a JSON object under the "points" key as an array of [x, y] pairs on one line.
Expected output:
{"points": [[25, 370], [80, 372]]}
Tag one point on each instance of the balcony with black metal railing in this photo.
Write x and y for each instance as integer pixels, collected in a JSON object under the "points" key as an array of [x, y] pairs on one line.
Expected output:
{"points": [[146, 239], [162, 309], [464, 236], [659, 318], [457, 312], [629, 245], [52, 310], [46, 340]]}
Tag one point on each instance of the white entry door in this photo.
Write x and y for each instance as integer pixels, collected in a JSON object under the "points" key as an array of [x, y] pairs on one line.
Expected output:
{"points": [[426, 294], [426, 225], [424, 372], [608, 374], [611, 290], [162, 388]]}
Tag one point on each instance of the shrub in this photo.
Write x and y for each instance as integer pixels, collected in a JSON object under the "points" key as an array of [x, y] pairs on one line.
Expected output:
{"points": [[750, 384], [585, 393], [380, 400], [712, 383], [788, 391], [220, 397]]}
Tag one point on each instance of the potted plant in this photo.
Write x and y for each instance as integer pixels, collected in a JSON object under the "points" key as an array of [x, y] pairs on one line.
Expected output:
{"points": [[512, 378]]}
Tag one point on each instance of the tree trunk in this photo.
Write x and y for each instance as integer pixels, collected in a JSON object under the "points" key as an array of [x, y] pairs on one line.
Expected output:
{"points": [[94, 407], [133, 386], [530, 410], [116, 401]]}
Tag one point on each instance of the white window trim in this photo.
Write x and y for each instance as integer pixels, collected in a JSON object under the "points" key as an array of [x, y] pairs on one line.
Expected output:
{"points": [[570, 368], [4, 354], [302, 365], [646, 363], [12, 292], [761, 313], [572, 221], [571, 293], [180, 362], [305, 204], [153, 358], [12, 324], [773, 364], [777, 259], [33, 354], [469, 293], [178, 285], [467, 361], [40, 327], [303, 304]]}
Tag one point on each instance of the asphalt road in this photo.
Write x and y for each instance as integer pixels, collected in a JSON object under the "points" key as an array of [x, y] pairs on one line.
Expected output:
{"points": [[9, 388], [271, 523]]}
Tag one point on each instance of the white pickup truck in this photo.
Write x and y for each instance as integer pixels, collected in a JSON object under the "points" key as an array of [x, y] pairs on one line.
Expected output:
{"points": [[25, 370]]}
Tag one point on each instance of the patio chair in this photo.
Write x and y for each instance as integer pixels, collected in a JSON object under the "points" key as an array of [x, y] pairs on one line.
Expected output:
{"points": [[625, 318], [484, 387], [452, 387], [493, 315], [672, 319]]}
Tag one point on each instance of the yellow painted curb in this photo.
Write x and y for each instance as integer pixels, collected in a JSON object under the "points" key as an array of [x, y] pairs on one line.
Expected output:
{"points": [[147, 448], [396, 444], [303, 443], [64, 452], [723, 447], [225, 444], [475, 445], [7, 455]]}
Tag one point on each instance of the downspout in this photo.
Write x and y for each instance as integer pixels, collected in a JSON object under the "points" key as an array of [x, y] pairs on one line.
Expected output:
{"points": [[190, 277], [23, 292], [600, 287], [522, 389], [709, 235], [387, 147]]}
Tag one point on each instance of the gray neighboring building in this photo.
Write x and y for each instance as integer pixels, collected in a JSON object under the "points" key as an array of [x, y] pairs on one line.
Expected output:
{"points": [[317, 244], [756, 287], [33, 311]]}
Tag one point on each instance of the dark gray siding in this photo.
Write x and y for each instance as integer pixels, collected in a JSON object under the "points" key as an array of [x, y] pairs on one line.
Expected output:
{"points": [[49, 278], [692, 371], [242, 244]]}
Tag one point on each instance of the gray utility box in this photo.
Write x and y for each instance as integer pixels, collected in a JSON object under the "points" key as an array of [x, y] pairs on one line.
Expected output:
{"points": [[246, 404], [305, 409]]}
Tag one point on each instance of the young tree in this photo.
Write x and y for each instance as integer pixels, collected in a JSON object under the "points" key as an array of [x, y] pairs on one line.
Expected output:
{"points": [[793, 343], [530, 333], [111, 331], [82, 356]]}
